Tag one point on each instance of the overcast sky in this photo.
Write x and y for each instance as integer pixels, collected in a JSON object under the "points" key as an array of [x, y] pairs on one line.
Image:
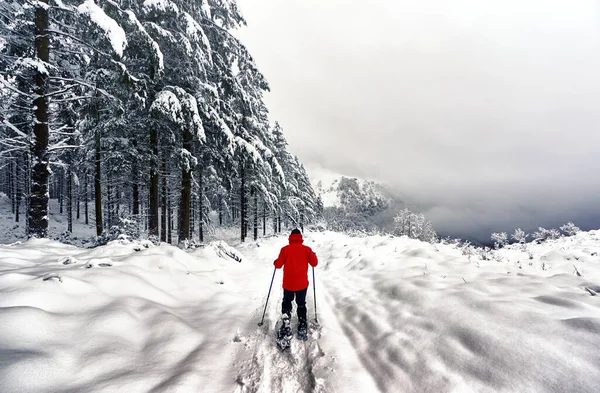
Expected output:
{"points": [[484, 114]]}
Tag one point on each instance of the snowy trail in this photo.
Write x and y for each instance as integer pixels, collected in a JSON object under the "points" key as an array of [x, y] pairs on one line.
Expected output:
{"points": [[263, 367], [328, 362]]}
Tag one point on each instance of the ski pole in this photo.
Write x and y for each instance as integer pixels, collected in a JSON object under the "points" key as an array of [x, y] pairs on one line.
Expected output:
{"points": [[315, 294], [267, 302]]}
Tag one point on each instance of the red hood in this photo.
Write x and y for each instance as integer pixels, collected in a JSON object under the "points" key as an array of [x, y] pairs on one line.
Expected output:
{"points": [[296, 238]]}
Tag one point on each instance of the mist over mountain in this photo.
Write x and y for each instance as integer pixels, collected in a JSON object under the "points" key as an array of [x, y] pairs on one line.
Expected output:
{"points": [[353, 204]]}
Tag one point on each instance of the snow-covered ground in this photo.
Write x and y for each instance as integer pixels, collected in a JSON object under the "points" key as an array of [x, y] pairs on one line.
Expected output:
{"points": [[396, 315]]}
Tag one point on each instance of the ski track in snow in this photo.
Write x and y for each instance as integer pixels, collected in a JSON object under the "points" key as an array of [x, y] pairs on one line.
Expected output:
{"points": [[270, 370]]}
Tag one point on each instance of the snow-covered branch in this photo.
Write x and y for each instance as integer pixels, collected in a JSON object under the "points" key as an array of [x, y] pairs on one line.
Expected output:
{"points": [[15, 90], [13, 128]]}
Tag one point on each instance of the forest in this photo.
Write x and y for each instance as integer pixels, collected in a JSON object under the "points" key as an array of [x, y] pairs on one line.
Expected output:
{"points": [[142, 116]]}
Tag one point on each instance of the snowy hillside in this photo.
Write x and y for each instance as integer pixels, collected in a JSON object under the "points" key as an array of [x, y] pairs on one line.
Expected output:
{"points": [[330, 186], [396, 315]]}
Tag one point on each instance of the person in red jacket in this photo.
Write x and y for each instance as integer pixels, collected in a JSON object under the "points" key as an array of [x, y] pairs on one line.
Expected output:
{"points": [[295, 258]]}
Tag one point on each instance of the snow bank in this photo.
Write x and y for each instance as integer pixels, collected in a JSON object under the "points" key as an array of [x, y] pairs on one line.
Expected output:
{"points": [[423, 318], [120, 317]]}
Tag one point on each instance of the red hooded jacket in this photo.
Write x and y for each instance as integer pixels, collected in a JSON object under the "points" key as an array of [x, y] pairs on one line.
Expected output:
{"points": [[295, 259]]}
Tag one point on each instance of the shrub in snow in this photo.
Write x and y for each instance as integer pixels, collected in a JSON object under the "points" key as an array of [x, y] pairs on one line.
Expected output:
{"points": [[543, 234], [519, 236], [151, 241], [500, 239], [570, 229], [191, 244], [126, 230], [321, 227], [224, 250], [468, 250], [68, 238], [555, 234]]}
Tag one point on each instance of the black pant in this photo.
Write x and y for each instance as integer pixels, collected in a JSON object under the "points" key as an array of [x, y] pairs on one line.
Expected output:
{"points": [[300, 296]]}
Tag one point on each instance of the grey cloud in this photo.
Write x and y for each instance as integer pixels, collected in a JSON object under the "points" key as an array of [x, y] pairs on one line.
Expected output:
{"points": [[482, 113]]}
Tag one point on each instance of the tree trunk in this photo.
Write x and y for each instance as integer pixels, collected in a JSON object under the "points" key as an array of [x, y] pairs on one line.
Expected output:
{"points": [[184, 205], [170, 235], [27, 185], [255, 224], [242, 203], [264, 219], [11, 185], [135, 190], [61, 191], [78, 198], [193, 208], [38, 207], [186, 190], [86, 198], [163, 217], [117, 202], [69, 199], [220, 210], [98, 187], [109, 199], [18, 191], [201, 206], [153, 217]]}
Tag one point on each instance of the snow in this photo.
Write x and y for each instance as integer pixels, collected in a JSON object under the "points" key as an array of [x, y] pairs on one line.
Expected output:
{"points": [[325, 183], [155, 47], [224, 128], [395, 314], [249, 148], [195, 31], [190, 104], [160, 5], [114, 32], [235, 67], [39, 4], [206, 11], [167, 103], [13, 128], [37, 64]]}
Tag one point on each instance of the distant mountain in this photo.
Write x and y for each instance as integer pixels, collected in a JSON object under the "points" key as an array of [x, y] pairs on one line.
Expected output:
{"points": [[354, 204], [333, 188], [344, 190]]}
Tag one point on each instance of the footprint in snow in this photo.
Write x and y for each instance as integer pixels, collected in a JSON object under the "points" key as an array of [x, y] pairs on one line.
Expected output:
{"points": [[91, 264], [68, 260], [52, 276]]}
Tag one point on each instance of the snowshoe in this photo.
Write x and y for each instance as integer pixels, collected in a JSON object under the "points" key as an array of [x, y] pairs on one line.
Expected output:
{"points": [[303, 330], [284, 334]]}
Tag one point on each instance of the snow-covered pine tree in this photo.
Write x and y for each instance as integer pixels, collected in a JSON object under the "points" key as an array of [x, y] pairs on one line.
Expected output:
{"points": [[413, 225], [173, 106]]}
